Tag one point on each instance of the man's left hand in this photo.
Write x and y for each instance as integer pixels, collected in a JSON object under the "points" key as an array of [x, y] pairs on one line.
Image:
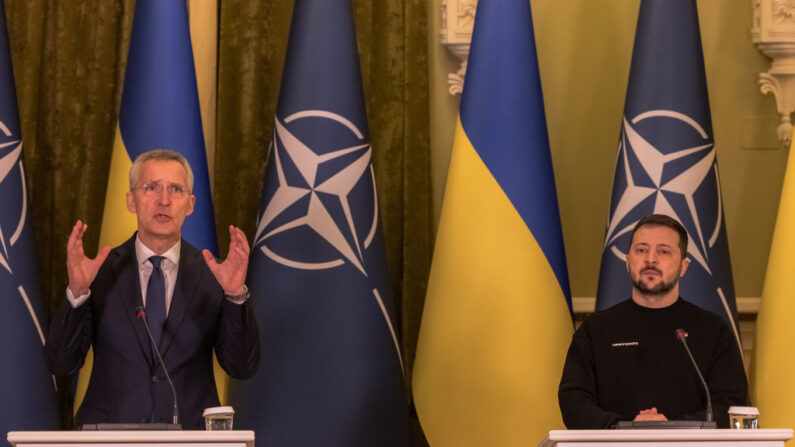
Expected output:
{"points": [[231, 273]]}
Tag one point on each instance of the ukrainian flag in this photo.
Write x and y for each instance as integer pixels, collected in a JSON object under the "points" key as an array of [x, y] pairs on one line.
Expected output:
{"points": [[497, 322], [773, 365], [159, 110]]}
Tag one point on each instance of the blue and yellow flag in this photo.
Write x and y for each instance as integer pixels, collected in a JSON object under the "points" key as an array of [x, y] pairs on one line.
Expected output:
{"points": [[27, 396], [330, 373], [159, 110], [773, 366], [666, 160], [497, 322]]}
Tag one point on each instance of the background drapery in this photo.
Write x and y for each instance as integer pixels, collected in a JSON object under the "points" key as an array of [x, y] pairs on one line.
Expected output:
{"points": [[69, 60]]}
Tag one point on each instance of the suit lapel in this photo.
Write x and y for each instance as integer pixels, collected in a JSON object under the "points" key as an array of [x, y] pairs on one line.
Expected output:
{"points": [[125, 268], [191, 265]]}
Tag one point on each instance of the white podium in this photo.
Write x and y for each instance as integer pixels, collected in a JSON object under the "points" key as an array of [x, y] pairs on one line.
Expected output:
{"points": [[667, 438], [160, 438]]}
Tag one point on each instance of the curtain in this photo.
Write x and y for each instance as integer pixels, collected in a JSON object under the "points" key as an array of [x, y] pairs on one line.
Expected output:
{"points": [[69, 60]]}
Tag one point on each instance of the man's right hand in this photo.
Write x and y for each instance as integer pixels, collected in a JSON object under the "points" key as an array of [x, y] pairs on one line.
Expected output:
{"points": [[650, 415], [81, 269]]}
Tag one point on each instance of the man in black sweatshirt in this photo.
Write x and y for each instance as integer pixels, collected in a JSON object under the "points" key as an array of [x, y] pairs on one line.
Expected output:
{"points": [[624, 363]]}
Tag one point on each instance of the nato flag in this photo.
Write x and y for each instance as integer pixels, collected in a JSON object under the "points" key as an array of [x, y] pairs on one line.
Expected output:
{"points": [[666, 159], [27, 391], [331, 372]]}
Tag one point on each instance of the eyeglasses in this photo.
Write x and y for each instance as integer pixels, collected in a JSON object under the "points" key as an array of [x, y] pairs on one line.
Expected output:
{"points": [[174, 190]]}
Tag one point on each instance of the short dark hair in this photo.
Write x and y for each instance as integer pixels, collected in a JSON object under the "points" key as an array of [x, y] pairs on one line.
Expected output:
{"points": [[661, 220]]}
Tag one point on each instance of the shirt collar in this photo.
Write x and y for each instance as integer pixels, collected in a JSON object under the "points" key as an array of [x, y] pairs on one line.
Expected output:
{"points": [[143, 253]]}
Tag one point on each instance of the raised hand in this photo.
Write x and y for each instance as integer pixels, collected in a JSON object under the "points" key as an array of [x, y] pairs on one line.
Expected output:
{"points": [[231, 274], [81, 269]]}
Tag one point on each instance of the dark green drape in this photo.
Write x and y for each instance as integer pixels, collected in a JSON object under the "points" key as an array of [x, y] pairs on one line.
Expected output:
{"points": [[69, 61]]}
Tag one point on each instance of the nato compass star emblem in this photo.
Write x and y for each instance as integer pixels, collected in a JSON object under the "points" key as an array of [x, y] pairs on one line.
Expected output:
{"points": [[298, 168], [653, 162], [665, 177], [10, 160], [318, 217]]}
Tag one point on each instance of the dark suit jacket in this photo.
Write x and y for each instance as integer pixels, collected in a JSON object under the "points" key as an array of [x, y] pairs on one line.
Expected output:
{"points": [[127, 384]]}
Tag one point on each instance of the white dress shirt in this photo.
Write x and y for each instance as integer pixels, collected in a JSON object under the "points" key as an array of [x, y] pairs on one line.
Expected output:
{"points": [[169, 265]]}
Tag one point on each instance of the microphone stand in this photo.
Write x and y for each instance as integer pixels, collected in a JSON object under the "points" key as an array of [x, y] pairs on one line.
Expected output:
{"points": [[175, 425], [142, 317], [681, 335]]}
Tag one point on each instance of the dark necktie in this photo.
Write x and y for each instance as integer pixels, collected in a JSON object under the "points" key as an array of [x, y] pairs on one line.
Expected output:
{"points": [[156, 299]]}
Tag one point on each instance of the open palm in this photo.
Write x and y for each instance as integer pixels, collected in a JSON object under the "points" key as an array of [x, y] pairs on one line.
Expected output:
{"points": [[81, 269], [231, 273]]}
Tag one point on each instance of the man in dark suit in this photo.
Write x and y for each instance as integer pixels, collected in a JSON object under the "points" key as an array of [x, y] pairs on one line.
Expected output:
{"points": [[194, 305]]}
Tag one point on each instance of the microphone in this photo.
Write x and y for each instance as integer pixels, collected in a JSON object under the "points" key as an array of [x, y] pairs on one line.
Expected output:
{"points": [[142, 317], [681, 335]]}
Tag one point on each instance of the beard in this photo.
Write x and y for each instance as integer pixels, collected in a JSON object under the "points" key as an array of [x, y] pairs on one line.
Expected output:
{"points": [[661, 288]]}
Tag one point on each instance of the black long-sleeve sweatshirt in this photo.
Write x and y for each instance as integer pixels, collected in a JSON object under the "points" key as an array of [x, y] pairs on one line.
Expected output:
{"points": [[626, 359]]}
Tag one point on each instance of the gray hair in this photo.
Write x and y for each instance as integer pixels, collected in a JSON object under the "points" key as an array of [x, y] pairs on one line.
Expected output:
{"points": [[160, 155]]}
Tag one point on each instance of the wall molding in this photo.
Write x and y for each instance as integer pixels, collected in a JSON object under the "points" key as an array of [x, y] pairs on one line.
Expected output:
{"points": [[773, 32], [745, 304]]}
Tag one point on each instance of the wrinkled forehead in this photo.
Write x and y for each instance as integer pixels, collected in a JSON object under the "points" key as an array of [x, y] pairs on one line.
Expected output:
{"points": [[163, 171], [655, 235]]}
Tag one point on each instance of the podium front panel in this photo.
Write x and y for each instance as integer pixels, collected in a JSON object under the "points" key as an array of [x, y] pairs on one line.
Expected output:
{"points": [[667, 438], [165, 438]]}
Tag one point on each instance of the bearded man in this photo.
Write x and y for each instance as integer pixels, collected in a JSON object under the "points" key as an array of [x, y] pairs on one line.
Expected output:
{"points": [[625, 363]]}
